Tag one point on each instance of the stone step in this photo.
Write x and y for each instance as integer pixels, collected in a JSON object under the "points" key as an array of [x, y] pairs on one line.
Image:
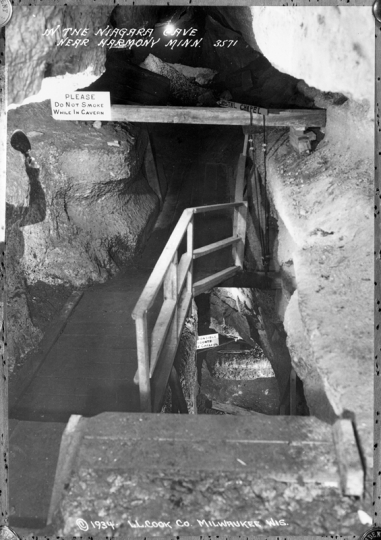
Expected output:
{"points": [[133, 467]]}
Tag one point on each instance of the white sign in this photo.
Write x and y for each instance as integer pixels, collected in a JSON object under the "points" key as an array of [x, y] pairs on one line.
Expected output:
{"points": [[81, 106], [210, 340]]}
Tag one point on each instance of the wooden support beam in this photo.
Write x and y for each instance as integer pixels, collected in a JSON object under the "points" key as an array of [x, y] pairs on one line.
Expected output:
{"points": [[160, 331], [240, 215], [183, 311], [240, 178], [209, 282], [216, 115], [348, 458], [143, 363], [227, 408], [190, 255], [71, 438], [162, 373], [183, 270]]}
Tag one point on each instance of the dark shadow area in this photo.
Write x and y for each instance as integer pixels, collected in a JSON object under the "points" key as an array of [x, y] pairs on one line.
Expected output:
{"points": [[212, 43]]}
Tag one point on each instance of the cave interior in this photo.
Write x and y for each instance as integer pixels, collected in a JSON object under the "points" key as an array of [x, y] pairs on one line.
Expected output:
{"points": [[132, 183]]}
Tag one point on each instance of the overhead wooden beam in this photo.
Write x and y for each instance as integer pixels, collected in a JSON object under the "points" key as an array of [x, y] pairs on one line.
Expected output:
{"points": [[298, 118]]}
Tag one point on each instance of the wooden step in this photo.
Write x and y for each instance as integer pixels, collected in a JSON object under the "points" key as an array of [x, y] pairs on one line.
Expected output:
{"points": [[210, 248], [153, 458], [211, 281]]}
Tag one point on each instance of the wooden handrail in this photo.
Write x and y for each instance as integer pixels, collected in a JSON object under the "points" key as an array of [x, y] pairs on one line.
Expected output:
{"points": [[214, 207], [156, 279], [156, 349]]}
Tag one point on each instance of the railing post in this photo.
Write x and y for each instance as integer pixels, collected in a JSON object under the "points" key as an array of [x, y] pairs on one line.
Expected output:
{"points": [[190, 253], [170, 291], [239, 229], [143, 363]]}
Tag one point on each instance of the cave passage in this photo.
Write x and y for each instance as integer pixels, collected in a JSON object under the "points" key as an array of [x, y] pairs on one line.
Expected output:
{"points": [[90, 368], [249, 371]]}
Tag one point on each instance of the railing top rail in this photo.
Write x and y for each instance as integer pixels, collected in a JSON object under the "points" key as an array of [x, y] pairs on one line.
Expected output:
{"points": [[214, 207], [157, 276]]}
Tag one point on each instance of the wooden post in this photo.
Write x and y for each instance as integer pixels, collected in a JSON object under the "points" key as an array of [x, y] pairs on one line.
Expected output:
{"points": [[239, 188], [170, 290], [239, 229], [143, 363], [190, 253], [246, 140], [240, 178]]}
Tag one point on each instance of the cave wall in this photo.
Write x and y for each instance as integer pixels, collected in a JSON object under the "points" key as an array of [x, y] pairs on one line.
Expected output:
{"points": [[330, 48], [30, 56], [324, 204], [76, 217]]}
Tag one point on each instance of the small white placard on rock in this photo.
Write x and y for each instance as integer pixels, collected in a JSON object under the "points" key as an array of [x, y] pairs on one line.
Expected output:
{"points": [[90, 106], [210, 340]]}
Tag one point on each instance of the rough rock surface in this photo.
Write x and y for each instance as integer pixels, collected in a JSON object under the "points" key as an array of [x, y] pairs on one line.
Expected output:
{"points": [[185, 364], [292, 38], [324, 204], [35, 56], [80, 214], [247, 364], [183, 90], [249, 313], [260, 394], [324, 200]]}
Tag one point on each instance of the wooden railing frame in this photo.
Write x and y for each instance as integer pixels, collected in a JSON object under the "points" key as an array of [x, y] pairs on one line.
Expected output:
{"points": [[176, 278]]}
